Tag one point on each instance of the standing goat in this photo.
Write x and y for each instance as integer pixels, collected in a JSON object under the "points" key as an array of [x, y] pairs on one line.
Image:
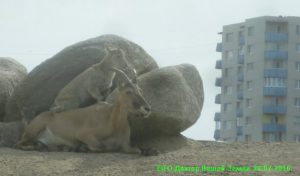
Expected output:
{"points": [[100, 127], [95, 83]]}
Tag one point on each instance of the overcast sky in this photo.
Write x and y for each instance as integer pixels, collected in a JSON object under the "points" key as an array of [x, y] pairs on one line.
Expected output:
{"points": [[172, 31]]}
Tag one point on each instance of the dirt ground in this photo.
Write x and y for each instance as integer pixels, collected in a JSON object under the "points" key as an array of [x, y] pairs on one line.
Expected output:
{"points": [[188, 157]]}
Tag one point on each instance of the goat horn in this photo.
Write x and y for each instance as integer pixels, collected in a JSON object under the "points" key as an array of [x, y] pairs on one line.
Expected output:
{"points": [[121, 73]]}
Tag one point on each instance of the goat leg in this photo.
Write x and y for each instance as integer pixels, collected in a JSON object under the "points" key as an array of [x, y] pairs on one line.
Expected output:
{"points": [[95, 93], [92, 143]]}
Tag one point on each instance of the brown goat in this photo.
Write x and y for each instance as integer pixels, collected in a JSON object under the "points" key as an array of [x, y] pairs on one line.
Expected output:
{"points": [[95, 83], [100, 127]]}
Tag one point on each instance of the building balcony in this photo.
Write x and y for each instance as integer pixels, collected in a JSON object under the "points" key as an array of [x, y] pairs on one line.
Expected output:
{"points": [[217, 134], [217, 116], [239, 112], [240, 95], [275, 91], [242, 40], [218, 82], [219, 47], [276, 37], [218, 99], [219, 64], [276, 55], [273, 127], [241, 59], [240, 76], [239, 131], [274, 109], [275, 72]]}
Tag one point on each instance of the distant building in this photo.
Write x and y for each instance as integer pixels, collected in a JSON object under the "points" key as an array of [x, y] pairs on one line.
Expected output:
{"points": [[260, 82]]}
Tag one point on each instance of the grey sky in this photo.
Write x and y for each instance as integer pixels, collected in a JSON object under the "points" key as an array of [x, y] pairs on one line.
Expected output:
{"points": [[172, 31]]}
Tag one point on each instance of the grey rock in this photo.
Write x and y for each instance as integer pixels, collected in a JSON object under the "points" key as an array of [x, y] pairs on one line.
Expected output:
{"points": [[11, 74], [10, 133], [176, 97], [39, 89]]}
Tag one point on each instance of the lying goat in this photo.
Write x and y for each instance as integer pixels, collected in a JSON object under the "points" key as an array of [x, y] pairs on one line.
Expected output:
{"points": [[95, 83], [101, 127]]}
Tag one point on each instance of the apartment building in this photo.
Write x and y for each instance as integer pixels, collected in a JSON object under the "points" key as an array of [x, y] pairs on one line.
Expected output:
{"points": [[260, 82]]}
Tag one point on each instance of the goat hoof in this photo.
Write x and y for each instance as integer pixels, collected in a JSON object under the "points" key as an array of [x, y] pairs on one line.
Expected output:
{"points": [[150, 152]]}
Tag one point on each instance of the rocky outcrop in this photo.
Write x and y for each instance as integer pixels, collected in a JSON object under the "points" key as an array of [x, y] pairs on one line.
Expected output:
{"points": [[11, 74], [38, 91], [176, 97]]}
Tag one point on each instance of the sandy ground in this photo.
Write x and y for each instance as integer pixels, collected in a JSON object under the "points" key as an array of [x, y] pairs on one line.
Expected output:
{"points": [[192, 157]]}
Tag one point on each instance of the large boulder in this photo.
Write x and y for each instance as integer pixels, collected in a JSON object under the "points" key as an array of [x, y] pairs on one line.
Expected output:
{"points": [[11, 74], [176, 97], [39, 89]]}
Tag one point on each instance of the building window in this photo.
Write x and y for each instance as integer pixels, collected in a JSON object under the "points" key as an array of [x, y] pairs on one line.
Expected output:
{"points": [[250, 49], [249, 85], [297, 102], [240, 70], [239, 87], [241, 50], [238, 122], [226, 125], [238, 105], [273, 46], [297, 137], [277, 100], [249, 103], [226, 72], [248, 138], [297, 66], [298, 47], [297, 121], [275, 120], [241, 34], [229, 54], [277, 64], [248, 120], [229, 37], [249, 66], [250, 31], [277, 47], [275, 82], [278, 29], [218, 125], [227, 107], [227, 90], [297, 85], [298, 29]]}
